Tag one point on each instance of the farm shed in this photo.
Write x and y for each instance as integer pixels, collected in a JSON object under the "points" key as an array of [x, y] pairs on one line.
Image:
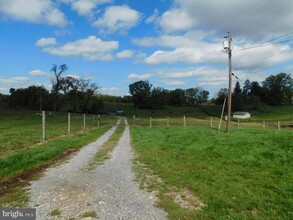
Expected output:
{"points": [[241, 115]]}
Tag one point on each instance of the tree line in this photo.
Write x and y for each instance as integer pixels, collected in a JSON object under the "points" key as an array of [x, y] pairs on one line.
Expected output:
{"points": [[274, 90], [80, 95], [68, 94], [144, 95]]}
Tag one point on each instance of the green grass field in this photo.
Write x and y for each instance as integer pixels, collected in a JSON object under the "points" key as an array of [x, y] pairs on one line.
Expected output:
{"points": [[247, 174], [22, 129], [21, 145]]}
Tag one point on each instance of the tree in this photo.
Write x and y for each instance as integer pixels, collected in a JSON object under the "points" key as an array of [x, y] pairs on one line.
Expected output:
{"points": [[237, 89], [246, 88], [78, 92], [237, 98], [141, 93], [56, 82], [222, 94], [177, 97], [203, 97], [159, 97], [191, 96], [32, 97], [278, 89]]}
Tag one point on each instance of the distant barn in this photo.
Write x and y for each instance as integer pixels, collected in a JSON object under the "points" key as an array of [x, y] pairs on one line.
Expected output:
{"points": [[241, 115]]}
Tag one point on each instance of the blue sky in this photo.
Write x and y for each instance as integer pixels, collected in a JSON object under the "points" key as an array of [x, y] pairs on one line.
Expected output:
{"points": [[171, 43]]}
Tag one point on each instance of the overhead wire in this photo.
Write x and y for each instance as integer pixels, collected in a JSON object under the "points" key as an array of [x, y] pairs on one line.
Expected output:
{"points": [[266, 43]]}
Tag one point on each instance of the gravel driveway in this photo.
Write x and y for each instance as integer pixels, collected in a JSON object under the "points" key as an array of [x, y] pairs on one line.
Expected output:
{"points": [[107, 191]]}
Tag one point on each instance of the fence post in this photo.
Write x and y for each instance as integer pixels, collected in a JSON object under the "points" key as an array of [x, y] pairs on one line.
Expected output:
{"points": [[84, 123], [211, 122], [264, 125], [279, 126], [151, 122], [44, 125], [168, 121], [93, 121], [184, 121], [68, 130], [238, 123], [99, 117]]}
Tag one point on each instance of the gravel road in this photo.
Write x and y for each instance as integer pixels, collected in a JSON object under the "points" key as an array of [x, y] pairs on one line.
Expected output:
{"points": [[109, 191]]}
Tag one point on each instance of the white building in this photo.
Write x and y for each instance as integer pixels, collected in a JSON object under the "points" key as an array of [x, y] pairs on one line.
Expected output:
{"points": [[241, 115]]}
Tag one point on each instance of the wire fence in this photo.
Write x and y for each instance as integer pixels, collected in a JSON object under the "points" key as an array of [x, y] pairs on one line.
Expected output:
{"points": [[212, 122], [21, 129]]}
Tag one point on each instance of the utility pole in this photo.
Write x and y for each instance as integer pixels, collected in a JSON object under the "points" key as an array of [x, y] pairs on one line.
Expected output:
{"points": [[229, 51]]}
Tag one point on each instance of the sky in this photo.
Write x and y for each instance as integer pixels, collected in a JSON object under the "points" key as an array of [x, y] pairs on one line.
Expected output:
{"points": [[171, 43]]}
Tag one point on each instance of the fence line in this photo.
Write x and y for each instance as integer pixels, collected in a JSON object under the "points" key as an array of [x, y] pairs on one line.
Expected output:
{"points": [[85, 123], [212, 122]]}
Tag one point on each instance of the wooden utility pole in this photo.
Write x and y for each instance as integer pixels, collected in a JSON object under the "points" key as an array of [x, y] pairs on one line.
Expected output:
{"points": [[229, 50]]}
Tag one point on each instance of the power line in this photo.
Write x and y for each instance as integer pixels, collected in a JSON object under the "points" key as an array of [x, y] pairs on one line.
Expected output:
{"points": [[264, 45], [278, 37]]}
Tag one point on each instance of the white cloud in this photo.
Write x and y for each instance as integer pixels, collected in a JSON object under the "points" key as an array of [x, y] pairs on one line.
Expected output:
{"points": [[33, 11], [13, 82], [250, 18], [117, 19], [174, 82], [176, 20], [188, 55], [38, 72], [125, 54], [139, 77], [91, 48], [85, 7], [46, 42], [153, 17], [190, 39], [242, 58]]}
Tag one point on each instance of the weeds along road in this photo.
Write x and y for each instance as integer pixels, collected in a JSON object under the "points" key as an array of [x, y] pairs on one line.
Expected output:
{"points": [[70, 191]]}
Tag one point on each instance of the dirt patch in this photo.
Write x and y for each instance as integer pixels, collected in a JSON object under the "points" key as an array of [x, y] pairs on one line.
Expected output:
{"points": [[186, 199], [152, 182]]}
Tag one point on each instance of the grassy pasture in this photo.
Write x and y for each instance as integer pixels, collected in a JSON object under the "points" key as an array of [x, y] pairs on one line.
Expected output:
{"points": [[21, 147], [247, 174], [22, 129]]}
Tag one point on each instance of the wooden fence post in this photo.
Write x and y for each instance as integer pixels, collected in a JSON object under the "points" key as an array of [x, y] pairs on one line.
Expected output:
{"points": [[44, 125], [99, 118], [279, 126], [184, 121], [238, 123], [68, 129], [93, 121], [211, 122], [84, 123], [150, 122]]}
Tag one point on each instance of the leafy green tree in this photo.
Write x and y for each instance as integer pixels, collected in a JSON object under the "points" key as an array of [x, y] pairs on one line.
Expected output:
{"points": [[237, 98], [222, 94], [177, 97], [32, 97], [191, 96], [278, 89], [203, 97], [141, 93], [159, 97]]}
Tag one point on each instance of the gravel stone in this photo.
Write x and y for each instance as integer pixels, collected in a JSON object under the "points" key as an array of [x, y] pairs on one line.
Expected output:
{"points": [[109, 189]]}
